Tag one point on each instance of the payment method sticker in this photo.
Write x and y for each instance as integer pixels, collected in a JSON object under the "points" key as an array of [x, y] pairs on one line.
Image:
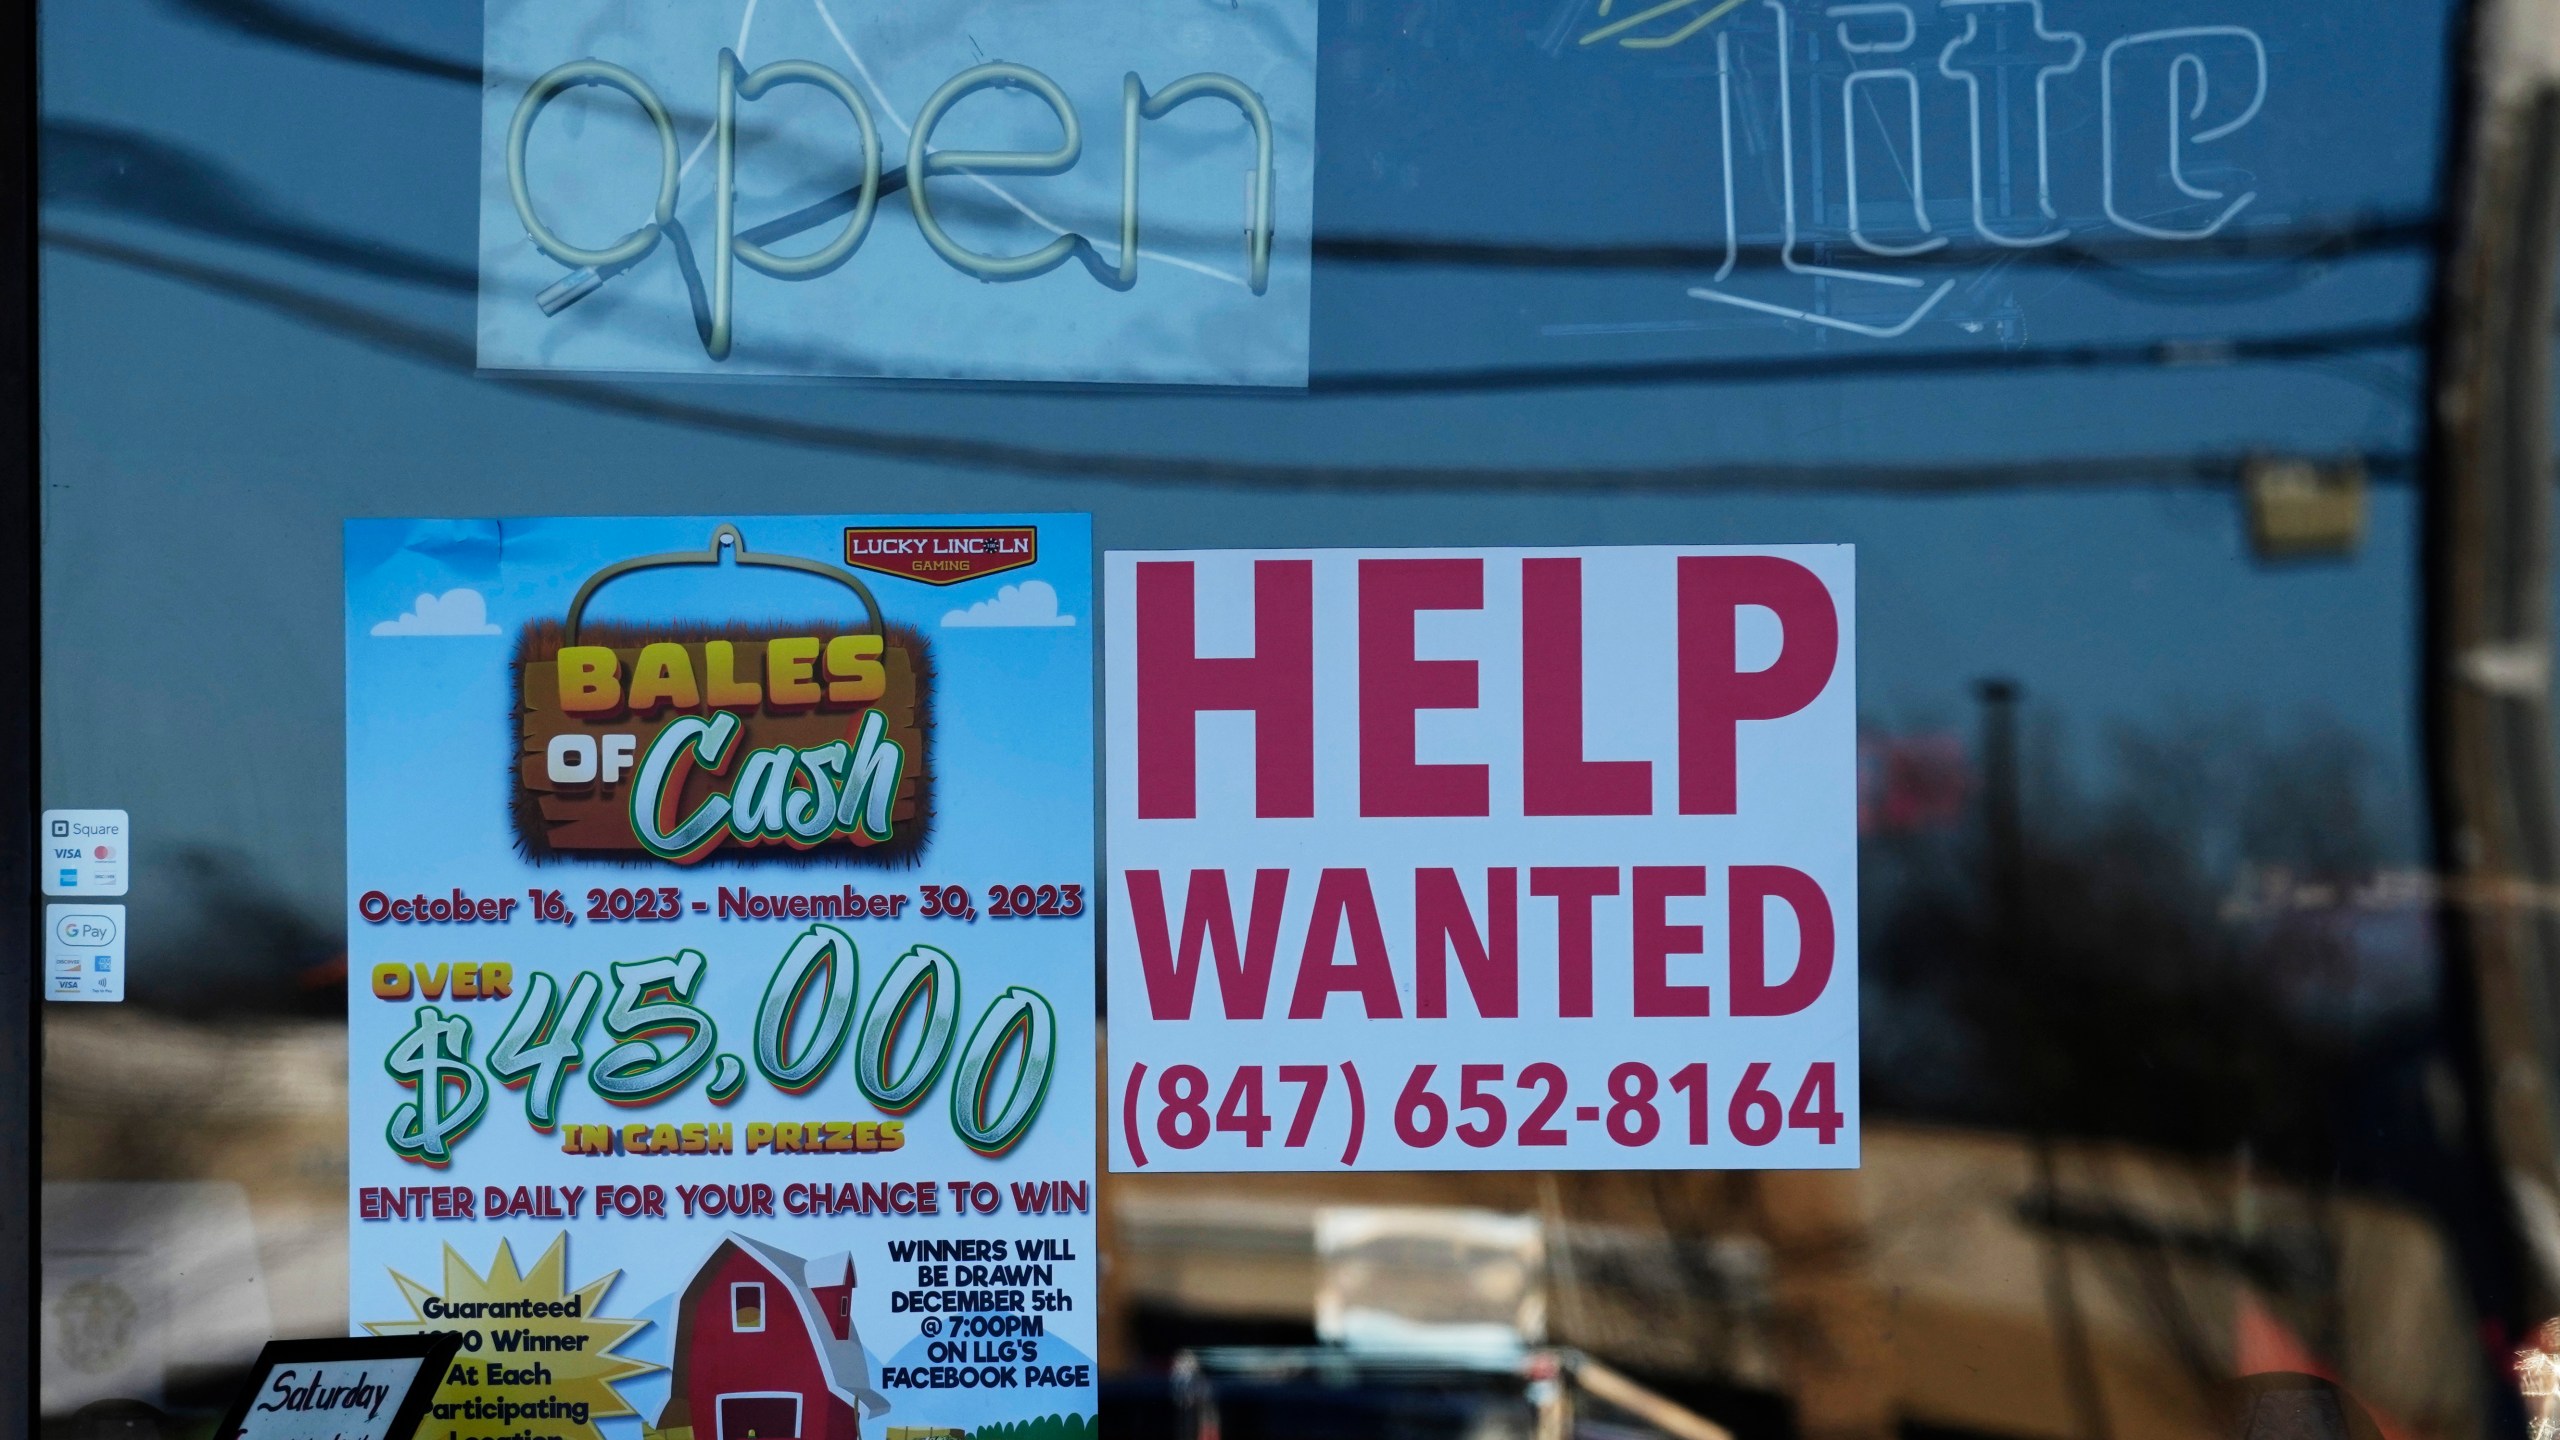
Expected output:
{"points": [[84, 949], [84, 852]]}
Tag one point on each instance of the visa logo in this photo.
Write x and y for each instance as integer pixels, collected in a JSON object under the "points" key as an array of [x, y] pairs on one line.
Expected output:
{"points": [[73, 853]]}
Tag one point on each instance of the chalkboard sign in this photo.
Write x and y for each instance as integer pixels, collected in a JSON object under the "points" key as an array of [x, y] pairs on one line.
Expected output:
{"points": [[374, 1388]]}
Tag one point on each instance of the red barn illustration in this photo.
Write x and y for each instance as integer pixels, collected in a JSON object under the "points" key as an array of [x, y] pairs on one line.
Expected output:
{"points": [[766, 1350]]}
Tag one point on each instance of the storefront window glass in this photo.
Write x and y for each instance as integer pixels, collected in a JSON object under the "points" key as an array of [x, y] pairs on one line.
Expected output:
{"points": [[2100, 329]]}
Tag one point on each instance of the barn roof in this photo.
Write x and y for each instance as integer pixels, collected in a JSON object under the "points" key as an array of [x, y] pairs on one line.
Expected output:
{"points": [[847, 1370]]}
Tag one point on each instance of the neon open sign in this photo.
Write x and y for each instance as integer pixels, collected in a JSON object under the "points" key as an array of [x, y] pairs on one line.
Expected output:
{"points": [[732, 84]]}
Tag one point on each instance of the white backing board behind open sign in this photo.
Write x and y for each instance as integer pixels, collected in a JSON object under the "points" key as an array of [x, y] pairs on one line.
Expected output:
{"points": [[966, 189]]}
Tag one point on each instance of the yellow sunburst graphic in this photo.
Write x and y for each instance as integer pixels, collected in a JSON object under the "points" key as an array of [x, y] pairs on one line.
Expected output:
{"points": [[543, 1367]]}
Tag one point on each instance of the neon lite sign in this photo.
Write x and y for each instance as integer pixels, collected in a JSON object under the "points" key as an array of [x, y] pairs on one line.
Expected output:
{"points": [[2163, 94], [733, 83]]}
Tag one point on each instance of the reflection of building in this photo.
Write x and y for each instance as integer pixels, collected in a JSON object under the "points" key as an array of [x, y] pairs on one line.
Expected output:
{"points": [[2538, 1379], [1923, 1273], [2538, 1364], [1916, 1290], [765, 1349]]}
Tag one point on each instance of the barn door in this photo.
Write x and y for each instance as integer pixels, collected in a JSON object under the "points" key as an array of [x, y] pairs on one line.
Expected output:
{"points": [[759, 1417]]}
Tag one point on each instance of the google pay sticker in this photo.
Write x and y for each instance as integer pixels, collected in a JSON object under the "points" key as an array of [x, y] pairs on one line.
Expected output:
{"points": [[84, 952], [974, 189]]}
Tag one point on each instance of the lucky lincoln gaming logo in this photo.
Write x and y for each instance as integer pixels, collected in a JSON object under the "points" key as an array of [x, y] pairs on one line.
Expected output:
{"points": [[680, 740]]}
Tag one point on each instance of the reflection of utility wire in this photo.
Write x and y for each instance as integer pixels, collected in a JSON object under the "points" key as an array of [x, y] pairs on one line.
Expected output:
{"points": [[147, 179], [152, 180], [455, 353], [286, 25], [2312, 243], [144, 178], [140, 177], [2286, 346], [2105, 260]]}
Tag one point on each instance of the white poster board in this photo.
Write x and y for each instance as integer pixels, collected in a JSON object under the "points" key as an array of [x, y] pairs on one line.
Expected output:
{"points": [[1482, 859]]}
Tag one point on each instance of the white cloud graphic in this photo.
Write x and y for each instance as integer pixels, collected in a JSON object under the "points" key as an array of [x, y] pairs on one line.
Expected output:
{"points": [[1029, 605], [455, 612]]}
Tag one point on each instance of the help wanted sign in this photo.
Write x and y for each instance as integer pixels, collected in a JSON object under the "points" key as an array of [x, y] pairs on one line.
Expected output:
{"points": [[1482, 859]]}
